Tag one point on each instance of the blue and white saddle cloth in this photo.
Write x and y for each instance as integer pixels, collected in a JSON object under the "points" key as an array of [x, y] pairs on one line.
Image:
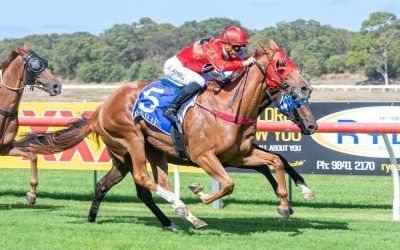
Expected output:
{"points": [[154, 98]]}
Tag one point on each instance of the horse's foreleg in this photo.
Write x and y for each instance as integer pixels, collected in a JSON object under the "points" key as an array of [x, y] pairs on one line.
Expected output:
{"points": [[210, 163], [258, 157], [136, 148], [31, 195], [113, 177], [159, 165], [306, 192]]}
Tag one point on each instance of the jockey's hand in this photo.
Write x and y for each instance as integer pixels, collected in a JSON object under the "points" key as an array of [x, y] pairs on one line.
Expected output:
{"points": [[249, 61]]}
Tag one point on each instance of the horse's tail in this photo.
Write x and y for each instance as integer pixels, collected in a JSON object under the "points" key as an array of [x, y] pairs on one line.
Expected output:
{"points": [[60, 140]]}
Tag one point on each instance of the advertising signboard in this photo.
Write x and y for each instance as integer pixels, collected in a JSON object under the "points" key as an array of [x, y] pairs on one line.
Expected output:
{"points": [[336, 153], [325, 153]]}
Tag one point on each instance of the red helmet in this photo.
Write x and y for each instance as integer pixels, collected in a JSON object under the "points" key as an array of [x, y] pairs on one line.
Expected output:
{"points": [[234, 36]]}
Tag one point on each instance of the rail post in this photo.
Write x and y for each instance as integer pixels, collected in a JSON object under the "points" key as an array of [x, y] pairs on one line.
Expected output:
{"points": [[177, 181], [395, 174], [94, 180], [216, 186], [290, 190]]}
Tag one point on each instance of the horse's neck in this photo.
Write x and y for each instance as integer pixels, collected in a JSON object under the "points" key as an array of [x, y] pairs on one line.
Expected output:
{"points": [[10, 99], [248, 98]]}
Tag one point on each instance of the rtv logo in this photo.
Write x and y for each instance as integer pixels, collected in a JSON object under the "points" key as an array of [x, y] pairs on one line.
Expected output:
{"points": [[368, 145], [356, 137]]}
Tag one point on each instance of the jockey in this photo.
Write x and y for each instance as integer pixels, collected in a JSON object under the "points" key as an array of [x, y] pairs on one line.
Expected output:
{"points": [[187, 66]]}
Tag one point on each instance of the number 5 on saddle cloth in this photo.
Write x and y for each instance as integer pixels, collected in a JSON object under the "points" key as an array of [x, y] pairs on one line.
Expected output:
{"points": [[151, 102]]}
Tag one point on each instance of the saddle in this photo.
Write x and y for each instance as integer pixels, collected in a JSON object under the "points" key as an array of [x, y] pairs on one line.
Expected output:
{"points": [[151, 102]]}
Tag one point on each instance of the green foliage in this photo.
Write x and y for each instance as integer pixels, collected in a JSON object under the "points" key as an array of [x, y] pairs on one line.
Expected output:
{"points": [[148, 71], [137, 51], [336, 64], [100, 72], [380, 34]]}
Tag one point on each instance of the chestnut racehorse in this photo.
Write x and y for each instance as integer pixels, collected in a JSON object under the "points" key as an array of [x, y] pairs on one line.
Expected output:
{"points": [[22, 68], [119, 170], [212, 139]]}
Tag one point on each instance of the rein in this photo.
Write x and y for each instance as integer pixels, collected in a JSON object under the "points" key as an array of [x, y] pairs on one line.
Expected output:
{"points": [[233, 118], [290, 104], [237, 91], [5, 112], [8, 87]]}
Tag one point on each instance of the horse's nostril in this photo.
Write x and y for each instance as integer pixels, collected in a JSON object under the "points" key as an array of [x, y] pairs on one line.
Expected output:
{"points": [[311, 127], [56, 87]]}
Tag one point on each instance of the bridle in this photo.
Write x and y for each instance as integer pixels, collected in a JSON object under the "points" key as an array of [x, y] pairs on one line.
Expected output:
{"points": [[300, 97], [34, 65], [282, 82], [285, 102]]}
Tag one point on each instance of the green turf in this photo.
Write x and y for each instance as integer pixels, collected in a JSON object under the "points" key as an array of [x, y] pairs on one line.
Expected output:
{"points": [[351, 212]]}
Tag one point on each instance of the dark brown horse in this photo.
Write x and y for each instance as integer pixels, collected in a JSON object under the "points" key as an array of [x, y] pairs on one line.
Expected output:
{"points": [[211, 142], [22, 68]]}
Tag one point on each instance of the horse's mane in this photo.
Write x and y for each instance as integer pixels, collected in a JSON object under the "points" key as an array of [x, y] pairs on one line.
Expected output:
{"points": [[10, 57]]}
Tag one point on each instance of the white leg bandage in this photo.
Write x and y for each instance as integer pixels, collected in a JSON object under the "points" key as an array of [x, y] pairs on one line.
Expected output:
{"points": [[167, 195], [305, 188], [202, 195], [179, 207]]}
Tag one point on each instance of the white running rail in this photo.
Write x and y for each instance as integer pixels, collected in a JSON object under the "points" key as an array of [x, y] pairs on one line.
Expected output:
{"points": [[315, 87]]}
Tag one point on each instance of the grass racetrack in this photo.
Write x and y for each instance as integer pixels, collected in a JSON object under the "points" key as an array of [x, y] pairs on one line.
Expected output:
{"points": [[351, 212]]}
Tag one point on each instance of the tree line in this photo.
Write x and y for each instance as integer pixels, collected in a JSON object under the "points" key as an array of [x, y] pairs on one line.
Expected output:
{"points": [[138, 51]]}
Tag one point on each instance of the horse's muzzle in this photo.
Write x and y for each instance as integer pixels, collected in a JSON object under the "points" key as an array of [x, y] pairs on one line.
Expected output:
{"points": [[309, 129], [53, 89]]}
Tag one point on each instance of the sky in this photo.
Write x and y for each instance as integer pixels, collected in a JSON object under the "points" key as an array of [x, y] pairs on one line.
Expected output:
{"points": [[25, 17]]}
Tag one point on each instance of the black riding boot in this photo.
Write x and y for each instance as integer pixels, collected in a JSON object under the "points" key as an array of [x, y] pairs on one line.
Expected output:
{"points": [[186, 92]]}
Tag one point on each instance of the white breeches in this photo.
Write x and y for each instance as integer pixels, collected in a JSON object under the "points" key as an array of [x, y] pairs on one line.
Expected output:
{"points": [[175, 71]]}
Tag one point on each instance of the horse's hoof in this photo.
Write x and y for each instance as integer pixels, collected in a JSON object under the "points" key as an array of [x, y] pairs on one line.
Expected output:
{"points": [[91, 218], [284, 213], [199, 224], [31, 199], [172, 228], [196, 188], [309, 196]]}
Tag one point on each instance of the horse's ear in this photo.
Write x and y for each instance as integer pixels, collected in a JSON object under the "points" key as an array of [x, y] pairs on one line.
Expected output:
{"points": [[27, 47], [265, 48], [22, 51], [273, 45]]}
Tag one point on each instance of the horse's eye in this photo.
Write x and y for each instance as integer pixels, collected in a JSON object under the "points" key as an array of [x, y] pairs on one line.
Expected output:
{"points": [[281, 64]]}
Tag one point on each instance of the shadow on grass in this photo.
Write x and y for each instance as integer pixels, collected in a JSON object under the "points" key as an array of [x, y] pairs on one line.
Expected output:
{"points": [[194, 200], [238, 226], [27, 206], [311, 204]]}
